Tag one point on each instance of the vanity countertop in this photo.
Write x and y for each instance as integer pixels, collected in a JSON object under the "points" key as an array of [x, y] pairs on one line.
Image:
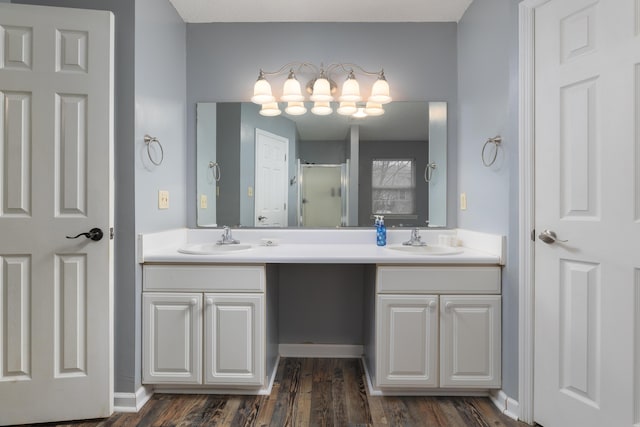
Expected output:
{"points": [[318, 247]]}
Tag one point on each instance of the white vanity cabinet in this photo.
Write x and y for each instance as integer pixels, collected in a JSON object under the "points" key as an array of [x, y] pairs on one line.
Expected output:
{"points": [[233, 339], [437, 327], [407, 328], [172, 337], [204, 325]]}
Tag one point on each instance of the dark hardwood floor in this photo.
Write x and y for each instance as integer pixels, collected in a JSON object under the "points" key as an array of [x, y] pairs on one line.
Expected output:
{"points": [[311, 392]]}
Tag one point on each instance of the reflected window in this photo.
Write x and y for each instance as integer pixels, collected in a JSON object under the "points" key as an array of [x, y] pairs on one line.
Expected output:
{"points": [[393, 183]]}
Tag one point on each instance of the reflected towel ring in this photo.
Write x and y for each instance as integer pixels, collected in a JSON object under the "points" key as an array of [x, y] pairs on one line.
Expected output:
{"points": [[428, 171], [150, 140], [496, 141], [216, 170]]}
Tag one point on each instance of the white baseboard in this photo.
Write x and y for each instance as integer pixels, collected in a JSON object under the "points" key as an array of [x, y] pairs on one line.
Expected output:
{"points": [[320, 350], [131, 402], [508, 406]]}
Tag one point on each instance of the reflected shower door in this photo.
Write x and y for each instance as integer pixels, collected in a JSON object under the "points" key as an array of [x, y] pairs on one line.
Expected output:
{"points": [[322, 194]]}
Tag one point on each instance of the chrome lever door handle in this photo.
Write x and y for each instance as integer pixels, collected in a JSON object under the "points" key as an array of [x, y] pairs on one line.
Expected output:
{"points": [[94, 234], [549, 237]]}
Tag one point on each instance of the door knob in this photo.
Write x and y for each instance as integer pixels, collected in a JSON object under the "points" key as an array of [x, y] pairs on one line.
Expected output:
{"points": [[550, 237], [94, 234]]}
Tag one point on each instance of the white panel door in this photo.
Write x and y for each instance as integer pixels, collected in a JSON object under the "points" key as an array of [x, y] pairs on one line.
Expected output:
{"points": [[234, 339], [470, 341], [271, 180], [407, 341], [587, 96], [172, 338], [56, 180]]}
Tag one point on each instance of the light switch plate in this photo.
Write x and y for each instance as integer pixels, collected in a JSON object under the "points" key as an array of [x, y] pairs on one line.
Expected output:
{"points": [[163, 199], [203, 201], [463, 201]]}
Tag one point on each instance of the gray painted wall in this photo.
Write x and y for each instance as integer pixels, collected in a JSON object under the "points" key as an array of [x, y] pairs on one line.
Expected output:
{"points": [[488, 106], [324, 152], [223, 61], [321, 304]]}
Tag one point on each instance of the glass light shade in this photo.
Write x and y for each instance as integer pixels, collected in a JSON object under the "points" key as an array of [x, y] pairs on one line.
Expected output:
{"points": [[291, 91], [262, 92], [295, 108], [360, 114], [270, 109], [347, 108], [350, 91], [321, 91], [380, 92], [321, 108], [373, 109]]}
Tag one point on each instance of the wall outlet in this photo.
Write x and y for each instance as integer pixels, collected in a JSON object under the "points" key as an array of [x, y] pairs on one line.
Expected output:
{"points": [[463, 201], [163, 199], [203, 201]]}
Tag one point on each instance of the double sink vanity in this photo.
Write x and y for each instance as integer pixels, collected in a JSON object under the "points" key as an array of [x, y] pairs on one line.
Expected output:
{"points": [[428, 317]]}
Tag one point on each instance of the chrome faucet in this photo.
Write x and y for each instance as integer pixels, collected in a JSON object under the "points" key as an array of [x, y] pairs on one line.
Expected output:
{"points": [[416, 239], [227, 238]]}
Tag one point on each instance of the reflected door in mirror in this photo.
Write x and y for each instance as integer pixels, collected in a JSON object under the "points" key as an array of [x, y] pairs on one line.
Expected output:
{"points": [[271, 187]]}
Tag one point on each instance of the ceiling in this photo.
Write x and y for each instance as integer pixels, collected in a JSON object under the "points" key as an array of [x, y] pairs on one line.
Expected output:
{"points": [[324, 11]]}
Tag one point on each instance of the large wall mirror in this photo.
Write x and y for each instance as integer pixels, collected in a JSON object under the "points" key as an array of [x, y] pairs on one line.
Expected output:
{"points": [[321, 171]]}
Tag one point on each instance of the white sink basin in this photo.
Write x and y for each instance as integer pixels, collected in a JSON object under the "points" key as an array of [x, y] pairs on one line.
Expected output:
{"points": [[426, 250], [212, 249]]}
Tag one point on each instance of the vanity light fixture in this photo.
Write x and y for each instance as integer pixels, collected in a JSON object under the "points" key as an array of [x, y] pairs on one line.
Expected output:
{"points": [[321, 88]]}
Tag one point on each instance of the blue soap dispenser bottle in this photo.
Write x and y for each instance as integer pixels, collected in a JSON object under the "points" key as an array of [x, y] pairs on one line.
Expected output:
{"points": [[381, 231]]}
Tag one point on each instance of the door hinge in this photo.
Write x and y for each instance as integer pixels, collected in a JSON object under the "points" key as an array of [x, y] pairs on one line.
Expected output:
{"points": [[111, 233], [285, 206], [533, 235]]}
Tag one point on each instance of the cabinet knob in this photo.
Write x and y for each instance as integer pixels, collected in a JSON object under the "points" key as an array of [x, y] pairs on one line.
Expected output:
{"points": [[448, 306], [433, 304], [209, 301], [194, 301]]}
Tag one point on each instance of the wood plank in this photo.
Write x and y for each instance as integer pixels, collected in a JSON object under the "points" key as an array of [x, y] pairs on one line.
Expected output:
{"points": [[321, 399], [338, 395], [302, 402], [356, 394]]}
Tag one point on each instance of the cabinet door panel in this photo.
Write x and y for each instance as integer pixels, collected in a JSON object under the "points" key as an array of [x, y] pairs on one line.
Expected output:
{"points": [[470, 341], [172, 343], [407, 336], [234, 339]]}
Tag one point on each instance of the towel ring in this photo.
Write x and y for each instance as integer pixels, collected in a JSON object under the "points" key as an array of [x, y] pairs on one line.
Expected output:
{"points": [[149, 140], [496, 141], [216, 170], [428, 171]]}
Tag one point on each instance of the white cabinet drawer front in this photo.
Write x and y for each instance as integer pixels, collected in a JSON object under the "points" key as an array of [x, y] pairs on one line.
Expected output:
{"points": [[219, 278], [438, 280], [172, 338]]}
